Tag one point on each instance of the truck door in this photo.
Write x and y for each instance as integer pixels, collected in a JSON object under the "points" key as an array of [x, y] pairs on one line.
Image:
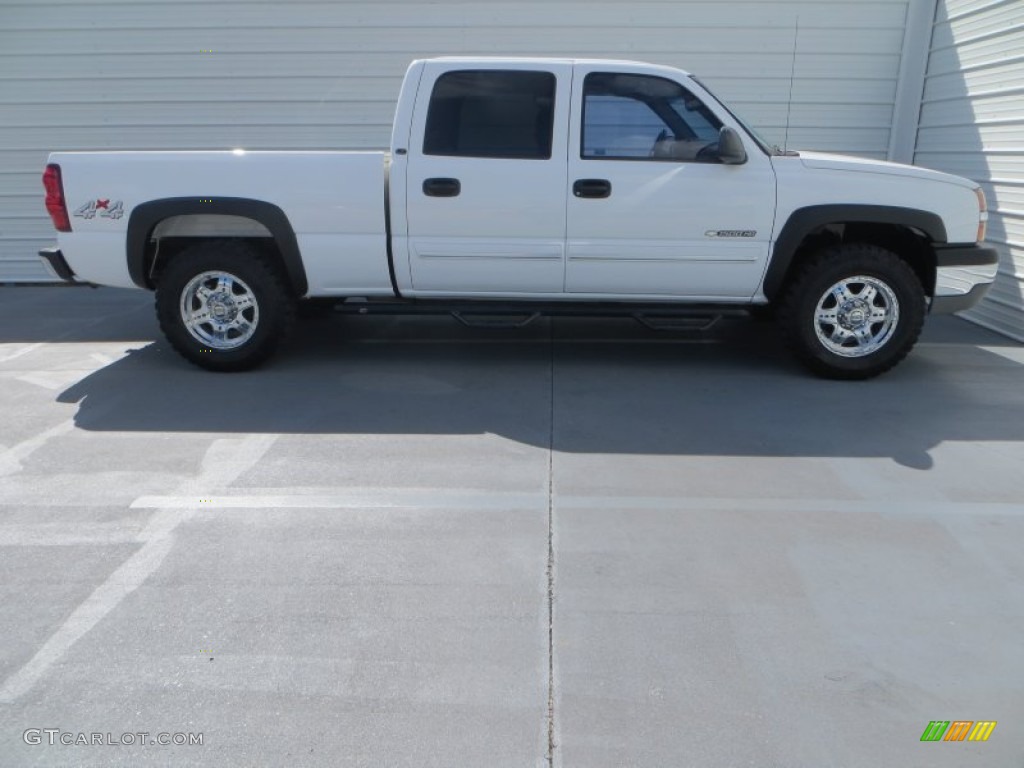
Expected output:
{"points": [[652, 213], [486, 180]]}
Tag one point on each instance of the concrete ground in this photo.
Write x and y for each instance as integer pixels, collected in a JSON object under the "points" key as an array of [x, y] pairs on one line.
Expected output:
{"points": [[408, 543]]}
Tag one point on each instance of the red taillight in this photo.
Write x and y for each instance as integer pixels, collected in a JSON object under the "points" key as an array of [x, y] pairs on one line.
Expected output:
{"points": [[55, 204]]}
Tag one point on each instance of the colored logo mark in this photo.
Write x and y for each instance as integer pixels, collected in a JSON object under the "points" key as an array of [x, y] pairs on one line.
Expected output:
{"points": [[101, 206], [958, 730]]}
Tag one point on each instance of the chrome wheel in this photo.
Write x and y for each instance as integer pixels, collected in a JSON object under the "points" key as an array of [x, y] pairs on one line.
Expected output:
{"points": [[219, 310], [856, 316]]}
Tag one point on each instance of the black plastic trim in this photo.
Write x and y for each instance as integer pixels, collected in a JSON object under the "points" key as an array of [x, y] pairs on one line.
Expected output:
{"points": [[58, 264], [968, 255], [387, 229], [146, 216], [505, 306], [592, 188], [442, 187], [947, 305], [803, 221]]}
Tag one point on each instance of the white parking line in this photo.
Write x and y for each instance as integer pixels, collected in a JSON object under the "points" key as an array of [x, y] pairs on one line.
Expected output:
{"points": [[413, 499], [19, 352], [54, 380], [431, 499], [78, 328], [101, 602], [65, 535], [11, 459], [225, 460]]}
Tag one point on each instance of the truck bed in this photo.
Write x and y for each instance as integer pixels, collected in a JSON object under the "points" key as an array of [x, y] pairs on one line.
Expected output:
{"points": [[333, 200]]}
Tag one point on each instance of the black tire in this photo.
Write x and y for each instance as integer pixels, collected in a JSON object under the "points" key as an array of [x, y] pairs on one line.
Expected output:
{"points": [[871, 332], [251, 310]]}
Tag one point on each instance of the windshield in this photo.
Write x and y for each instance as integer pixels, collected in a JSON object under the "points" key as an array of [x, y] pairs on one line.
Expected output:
{"points": [[770, 149]]}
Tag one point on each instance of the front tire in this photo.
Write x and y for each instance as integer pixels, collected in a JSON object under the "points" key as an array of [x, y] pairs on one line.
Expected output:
{"points": [[222, 306], [853, 311]]}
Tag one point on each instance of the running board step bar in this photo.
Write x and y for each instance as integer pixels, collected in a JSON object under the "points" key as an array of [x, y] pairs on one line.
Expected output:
{"points": [[517, 314], [490, 320], [697, 323]]}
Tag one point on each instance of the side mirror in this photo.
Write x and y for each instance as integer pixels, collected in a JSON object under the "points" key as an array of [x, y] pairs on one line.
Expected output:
{"points": [[730, 147]]}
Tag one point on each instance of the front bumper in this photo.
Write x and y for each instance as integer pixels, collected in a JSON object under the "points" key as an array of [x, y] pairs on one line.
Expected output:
{"points": [[56, 265], [962, 277]]}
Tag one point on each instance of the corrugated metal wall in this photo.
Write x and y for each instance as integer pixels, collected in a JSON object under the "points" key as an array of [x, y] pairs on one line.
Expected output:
{"points": [[972, 124], [158, 74]]}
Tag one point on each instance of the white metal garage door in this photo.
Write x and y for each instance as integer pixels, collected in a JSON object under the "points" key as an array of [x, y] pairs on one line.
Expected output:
{"points": [[972, 124], [178, 74]]}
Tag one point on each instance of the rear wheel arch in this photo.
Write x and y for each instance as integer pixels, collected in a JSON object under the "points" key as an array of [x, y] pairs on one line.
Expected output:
{"points": [[908, 232], [146, 218]]}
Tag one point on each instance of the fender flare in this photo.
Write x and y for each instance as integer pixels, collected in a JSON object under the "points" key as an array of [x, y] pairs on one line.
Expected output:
{"points": [[146, 216], [803, 221]]}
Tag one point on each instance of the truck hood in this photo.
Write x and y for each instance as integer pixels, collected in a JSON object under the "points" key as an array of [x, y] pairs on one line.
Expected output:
{"points": [[863, 165]]}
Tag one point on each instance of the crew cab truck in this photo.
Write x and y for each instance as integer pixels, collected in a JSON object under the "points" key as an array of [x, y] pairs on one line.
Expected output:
{"points": [[527, 187]]}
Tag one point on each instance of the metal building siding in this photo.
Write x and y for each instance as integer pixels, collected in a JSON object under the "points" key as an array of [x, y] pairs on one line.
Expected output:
{"points": [[179, 74], [972, 124]]}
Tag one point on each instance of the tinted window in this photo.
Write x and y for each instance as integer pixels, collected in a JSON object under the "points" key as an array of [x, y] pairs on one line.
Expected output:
{"points": [[617, 126], [642, 117], [491, 113]]}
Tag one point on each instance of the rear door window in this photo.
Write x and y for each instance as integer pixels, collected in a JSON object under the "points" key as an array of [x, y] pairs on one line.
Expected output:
{"points": [[491, 113]]}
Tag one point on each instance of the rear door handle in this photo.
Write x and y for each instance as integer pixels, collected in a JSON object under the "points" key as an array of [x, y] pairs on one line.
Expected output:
{"points": [[441, 187], [592, 188]]}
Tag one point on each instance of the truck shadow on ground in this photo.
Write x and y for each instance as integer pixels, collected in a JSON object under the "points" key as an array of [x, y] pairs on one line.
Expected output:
{"points": [[587, 386]]}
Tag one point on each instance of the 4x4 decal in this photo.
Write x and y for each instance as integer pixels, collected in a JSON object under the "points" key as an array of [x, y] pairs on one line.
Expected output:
{"points": [[102, 207]]}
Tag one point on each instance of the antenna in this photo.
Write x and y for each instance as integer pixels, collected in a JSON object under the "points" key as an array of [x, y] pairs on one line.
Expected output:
{"points": [[792, 72]]}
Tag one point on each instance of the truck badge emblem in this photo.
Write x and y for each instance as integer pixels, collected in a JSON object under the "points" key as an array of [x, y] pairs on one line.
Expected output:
{"points": [[730, 233], [101, 206]]}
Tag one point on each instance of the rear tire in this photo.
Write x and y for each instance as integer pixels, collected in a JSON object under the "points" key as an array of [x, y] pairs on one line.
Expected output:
{"points": [[223, 306], [853, 311]]}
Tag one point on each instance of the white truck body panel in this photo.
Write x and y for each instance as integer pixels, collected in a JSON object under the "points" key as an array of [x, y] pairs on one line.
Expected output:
{"points": [[504, 234], [807, 179], [649, 239], [333, 200], [517, 230], [608, 184]]}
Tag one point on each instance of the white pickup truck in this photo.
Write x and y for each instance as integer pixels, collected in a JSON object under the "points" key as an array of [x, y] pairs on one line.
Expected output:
{"points": [[521, 187]]}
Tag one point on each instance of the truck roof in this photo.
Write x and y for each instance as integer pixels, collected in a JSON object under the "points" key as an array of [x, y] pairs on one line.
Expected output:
{"points": [[545, 60]]}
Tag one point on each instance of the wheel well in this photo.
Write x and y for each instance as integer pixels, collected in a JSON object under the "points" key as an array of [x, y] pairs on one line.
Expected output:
{"points": [[161, 251], [158, 230], [912, 246]]}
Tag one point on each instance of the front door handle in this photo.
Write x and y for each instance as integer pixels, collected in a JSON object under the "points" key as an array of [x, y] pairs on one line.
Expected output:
{"points": [[592, 188], [441, 187]]}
